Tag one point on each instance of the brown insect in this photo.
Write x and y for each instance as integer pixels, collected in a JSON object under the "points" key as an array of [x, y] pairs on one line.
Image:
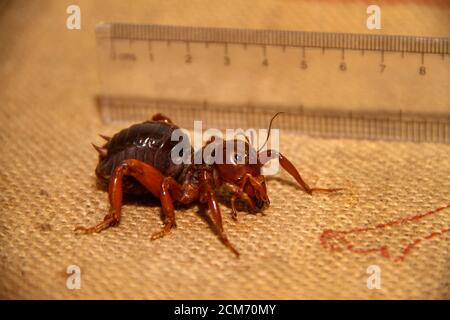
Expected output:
{"points": [[138, 160]]}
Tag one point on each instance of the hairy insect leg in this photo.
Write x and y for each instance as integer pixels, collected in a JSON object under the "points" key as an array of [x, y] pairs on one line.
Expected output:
{"points": [[150, 178], [162, 118], [207, 195], [290, 168]]}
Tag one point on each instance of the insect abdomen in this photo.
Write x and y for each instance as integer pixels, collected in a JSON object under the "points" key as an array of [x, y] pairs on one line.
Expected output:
{"points": [[149, 142]]}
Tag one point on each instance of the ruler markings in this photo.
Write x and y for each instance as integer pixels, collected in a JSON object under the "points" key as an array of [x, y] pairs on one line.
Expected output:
{"points": [[408, 44], [389, 126], [321, 123], [363, 125]]}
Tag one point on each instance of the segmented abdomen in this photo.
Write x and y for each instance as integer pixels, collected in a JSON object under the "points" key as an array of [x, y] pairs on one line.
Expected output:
{"points": [[149, 142]]}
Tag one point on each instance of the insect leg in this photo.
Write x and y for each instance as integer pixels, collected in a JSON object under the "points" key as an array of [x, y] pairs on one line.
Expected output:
{"points": [[207, 195], [169, 211], [290, 168], [239, 194], [149, 177], [115, 200], [234, 214]]}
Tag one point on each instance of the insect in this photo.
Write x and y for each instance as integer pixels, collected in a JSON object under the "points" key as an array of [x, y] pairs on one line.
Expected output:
{"points": [[138, 160]]}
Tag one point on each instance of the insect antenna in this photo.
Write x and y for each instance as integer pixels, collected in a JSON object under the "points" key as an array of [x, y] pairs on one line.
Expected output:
{"points": [[270, 127]]}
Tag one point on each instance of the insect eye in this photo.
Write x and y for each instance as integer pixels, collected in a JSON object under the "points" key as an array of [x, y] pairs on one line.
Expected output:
{"points": [[238, 158]]}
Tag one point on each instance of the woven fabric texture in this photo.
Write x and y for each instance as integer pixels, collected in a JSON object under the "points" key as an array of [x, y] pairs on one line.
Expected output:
{"points": [[48, 186]]}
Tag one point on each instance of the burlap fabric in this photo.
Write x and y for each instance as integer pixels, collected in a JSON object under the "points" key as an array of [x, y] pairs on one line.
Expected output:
{"points": [[48, 119]]}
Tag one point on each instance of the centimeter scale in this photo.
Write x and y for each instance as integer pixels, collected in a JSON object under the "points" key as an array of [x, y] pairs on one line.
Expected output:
{"points": [[328, 84]]}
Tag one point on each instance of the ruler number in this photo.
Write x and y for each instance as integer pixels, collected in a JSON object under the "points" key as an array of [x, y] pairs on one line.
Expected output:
{"points": [[303, 65], [150, 51], [188, 57], [382, 67], [265, 62], [226, 58], [422, 70], [343, 65]]}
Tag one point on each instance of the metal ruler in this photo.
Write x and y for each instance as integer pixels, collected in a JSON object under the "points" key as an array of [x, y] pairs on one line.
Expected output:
{"points": [[329, 84]]}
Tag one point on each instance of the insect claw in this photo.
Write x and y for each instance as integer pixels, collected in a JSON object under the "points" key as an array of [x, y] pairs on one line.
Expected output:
{"points": [[100, 150], [84, 230], [234, 213], [230, 246], [105, 137]]}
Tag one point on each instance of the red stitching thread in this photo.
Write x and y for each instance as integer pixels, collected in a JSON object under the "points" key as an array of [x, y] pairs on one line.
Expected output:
{"points": [[340, 237]]}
